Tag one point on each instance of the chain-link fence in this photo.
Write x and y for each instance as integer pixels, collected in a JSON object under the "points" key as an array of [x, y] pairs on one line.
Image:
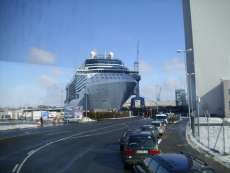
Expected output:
{"points": [[214, 133]]}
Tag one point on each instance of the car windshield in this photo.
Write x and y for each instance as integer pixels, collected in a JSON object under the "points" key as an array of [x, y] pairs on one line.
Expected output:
{"points": [[161, 117]]}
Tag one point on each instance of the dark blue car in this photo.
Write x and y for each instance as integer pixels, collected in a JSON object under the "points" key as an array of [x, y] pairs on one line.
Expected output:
{"points": [[172, 163]]}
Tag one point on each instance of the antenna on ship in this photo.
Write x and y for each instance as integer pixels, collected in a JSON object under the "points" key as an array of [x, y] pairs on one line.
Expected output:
{"points": [[105, 54]]}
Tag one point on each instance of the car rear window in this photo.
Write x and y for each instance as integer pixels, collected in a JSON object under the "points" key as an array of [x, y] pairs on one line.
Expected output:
{"points": [[156, 124], [136, 142]]}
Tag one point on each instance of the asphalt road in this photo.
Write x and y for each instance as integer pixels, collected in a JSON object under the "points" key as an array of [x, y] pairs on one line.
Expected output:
{"points": [[83, 148]]}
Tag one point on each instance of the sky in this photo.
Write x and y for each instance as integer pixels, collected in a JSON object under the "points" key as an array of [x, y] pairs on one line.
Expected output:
{"points": [[42, 42]]}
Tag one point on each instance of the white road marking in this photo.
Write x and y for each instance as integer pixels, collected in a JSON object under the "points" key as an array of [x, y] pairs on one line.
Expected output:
{"points": [[15, 167], [77, 157], [75, 136], [30, 152]]}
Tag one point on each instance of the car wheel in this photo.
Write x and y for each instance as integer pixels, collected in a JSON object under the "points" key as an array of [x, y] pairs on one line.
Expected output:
{"points": [[126, 166]]}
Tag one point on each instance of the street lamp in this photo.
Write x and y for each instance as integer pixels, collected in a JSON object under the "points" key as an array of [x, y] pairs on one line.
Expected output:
{"points": [[189, 81], [184, 50]]}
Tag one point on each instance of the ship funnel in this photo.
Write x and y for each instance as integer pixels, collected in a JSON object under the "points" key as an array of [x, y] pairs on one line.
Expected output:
{"points": [[110, 55], [93, 54]]}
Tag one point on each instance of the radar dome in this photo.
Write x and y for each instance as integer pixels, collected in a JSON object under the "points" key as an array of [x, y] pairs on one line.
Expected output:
{"points": [[93, 54], [110, 55]]}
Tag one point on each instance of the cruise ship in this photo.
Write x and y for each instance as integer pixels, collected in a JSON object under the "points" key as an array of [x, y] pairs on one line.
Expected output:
{"points": [[102, 83]]}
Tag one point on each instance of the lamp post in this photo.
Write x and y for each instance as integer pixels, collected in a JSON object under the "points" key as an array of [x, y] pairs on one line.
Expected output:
{"points": [[86, 104], [189, 85], [189, 77], [185, 51]]}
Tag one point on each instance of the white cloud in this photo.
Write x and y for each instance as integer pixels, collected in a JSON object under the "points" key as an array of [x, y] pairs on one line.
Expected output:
{"points": [[145, 67], [55, 95], [169, 76], [20, 95], [150, 91], [47, 81], [169, 86], [45, 86], [56, 71], [53, 87], [52, 77], [174, 66], [166, 89], [40, 56]]}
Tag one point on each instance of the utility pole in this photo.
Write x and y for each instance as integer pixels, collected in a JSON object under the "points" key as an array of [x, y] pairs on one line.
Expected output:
{"points": [[198, 114], [86, 103]]}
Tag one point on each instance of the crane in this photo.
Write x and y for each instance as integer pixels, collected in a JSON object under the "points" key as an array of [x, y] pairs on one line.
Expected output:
{"points": [[158, 97]]}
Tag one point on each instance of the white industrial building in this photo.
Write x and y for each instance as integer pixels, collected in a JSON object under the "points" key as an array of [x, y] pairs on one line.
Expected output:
{"points": [[207, 40], [31, 113]]}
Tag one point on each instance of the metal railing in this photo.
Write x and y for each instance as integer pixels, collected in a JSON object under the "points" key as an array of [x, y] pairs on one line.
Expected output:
{"points": [[214, 135]]}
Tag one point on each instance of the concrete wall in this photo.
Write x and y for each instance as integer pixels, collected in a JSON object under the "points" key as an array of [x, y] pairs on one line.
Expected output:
{"points": [[207, 32]]}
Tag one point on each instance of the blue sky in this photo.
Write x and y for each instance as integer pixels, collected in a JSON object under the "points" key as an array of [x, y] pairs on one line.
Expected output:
{"points": [[42, 42]]}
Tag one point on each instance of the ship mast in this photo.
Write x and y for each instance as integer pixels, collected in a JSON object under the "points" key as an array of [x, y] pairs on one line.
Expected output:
{"points": [[136, 63], [136, 68]]}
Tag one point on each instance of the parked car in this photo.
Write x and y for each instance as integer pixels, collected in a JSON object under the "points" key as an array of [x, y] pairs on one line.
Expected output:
{"points": [[138, 147], [125, 135], [150, 128], [160, 126], [172, 163], [161, 117], [172, 118]]}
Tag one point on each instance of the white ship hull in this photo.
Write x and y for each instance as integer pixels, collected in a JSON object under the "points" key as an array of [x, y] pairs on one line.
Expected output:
{"points": [[104, 95]]}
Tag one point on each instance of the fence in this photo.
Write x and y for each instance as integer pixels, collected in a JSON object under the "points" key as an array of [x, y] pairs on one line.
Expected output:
{"points": [[214, 133]]}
